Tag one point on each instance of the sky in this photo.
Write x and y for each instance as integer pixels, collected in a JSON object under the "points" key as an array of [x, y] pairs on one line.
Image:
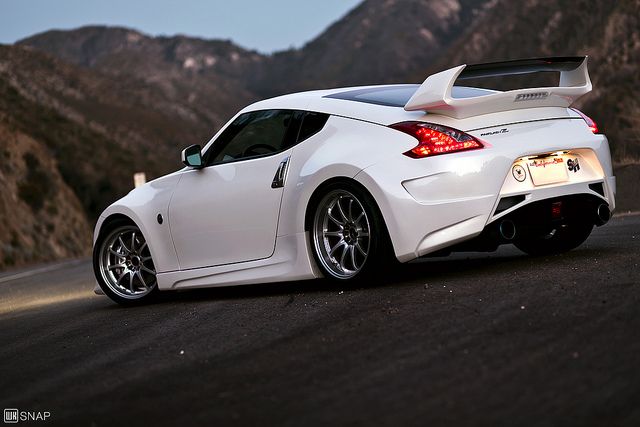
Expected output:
{"points": [[264, 25]]}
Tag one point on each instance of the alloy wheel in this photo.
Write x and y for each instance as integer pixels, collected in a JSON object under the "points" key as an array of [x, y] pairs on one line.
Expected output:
{"points": [[125, 263], [342, 234]]}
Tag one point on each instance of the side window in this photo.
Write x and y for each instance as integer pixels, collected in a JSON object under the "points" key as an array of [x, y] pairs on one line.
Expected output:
{"points": [[253, 134], [312, 123]]}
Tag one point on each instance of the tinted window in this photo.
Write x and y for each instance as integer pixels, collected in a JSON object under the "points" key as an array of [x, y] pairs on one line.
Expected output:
{"points": [[392, 96], [312, 123], [399, 95], [252, 134]]}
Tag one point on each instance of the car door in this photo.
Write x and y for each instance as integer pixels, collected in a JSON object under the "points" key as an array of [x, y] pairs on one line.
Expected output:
{"points": [[227, 212]]}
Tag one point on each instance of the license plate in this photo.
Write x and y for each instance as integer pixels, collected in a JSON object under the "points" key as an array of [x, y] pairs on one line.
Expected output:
{"points": [[547, 170]]}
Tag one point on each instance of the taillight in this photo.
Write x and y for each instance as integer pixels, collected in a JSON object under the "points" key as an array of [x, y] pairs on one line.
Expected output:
{"points": [[436, 139], [593, 127]]}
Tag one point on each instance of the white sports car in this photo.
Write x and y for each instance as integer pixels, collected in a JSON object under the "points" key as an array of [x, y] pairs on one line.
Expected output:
{"points": [[335, 183]]}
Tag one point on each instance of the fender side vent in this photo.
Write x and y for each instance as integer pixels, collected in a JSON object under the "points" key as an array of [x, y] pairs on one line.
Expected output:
{"points": [[509, 202], [598, 188]]}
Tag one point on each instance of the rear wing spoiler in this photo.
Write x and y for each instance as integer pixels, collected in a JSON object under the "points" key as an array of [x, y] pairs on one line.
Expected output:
{"points": [[434, 95]]}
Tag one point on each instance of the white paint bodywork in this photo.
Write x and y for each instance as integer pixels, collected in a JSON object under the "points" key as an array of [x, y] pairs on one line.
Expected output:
{"points": [[235, 204], [225, 225]]}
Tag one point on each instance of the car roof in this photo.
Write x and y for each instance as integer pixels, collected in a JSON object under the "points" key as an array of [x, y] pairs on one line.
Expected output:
{"points": [[378, 103]]}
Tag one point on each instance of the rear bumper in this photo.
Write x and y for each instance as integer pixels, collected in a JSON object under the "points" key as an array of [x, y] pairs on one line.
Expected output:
{"points": [[433, 203]]}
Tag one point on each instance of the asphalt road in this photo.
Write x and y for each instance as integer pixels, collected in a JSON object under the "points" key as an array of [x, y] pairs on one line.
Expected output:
{"points": [[474, 339]]}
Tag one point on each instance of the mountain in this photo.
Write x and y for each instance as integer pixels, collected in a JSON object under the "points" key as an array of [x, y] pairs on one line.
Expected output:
{"points": [[42, 218], [36, 220], [82, 110], [377, 42], [98, 129], [197, 80]]}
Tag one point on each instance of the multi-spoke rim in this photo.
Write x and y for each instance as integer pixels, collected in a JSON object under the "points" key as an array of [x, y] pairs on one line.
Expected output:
{"points": [[125, 263], [341, 234]]}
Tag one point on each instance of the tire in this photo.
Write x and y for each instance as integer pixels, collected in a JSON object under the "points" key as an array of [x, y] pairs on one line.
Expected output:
{"points": [[558, 240], [349, 238], [123, 265]]}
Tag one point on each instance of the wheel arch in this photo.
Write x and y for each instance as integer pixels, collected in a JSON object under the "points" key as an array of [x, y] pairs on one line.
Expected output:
{"points": [[108, 223], [156, 234], [386, 245], [108, 281], [320, 190], [111, 216]]}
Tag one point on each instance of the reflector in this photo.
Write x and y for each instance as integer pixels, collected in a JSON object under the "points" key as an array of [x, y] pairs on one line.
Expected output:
{"points": [[556, 210]]}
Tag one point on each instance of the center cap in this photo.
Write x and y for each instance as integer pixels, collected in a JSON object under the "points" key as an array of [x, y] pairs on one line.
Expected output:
{"points": [[350, 234], [135, 261]]}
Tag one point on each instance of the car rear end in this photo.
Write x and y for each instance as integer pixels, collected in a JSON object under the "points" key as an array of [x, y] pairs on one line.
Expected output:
{"points": [[472, 181]]}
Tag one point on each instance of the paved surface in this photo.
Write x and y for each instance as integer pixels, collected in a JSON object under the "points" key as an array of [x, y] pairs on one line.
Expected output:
{"points": [[475, 339]]}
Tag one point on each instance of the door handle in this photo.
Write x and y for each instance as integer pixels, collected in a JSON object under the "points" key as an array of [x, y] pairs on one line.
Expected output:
{"points": [[281, 173]]}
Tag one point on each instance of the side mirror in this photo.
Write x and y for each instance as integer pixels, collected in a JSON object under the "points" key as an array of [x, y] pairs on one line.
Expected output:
{"points": [[192, 156]]}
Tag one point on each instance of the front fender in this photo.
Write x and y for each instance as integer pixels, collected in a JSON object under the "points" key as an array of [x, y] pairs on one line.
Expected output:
{"points": [[143, 206]]}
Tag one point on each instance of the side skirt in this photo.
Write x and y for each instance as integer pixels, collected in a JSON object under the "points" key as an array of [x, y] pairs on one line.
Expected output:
{"points": [[291, 260]]}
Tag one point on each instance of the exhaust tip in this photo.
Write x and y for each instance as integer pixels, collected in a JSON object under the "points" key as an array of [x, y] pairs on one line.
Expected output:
{"points": [[507, 229], [603, 214]]}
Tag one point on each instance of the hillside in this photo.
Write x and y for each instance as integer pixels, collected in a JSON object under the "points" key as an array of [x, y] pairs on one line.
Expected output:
{"points": [[97, 104], [377, 42], [98, 125], [98, 130], [38, 222], [196, 80]]}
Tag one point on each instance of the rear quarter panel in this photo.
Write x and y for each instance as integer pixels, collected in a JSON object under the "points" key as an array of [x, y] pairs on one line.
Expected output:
{"points": [[342, 149]]}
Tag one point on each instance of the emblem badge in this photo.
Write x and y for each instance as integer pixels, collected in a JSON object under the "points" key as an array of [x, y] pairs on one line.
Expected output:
{"points": [[573, 165], [519, 173]]}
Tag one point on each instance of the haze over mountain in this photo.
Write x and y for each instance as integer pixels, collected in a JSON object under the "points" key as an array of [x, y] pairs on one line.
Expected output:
{"points": [[97, 104]]}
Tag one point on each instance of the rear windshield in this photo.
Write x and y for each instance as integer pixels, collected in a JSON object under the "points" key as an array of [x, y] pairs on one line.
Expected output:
{"points": [[398, 95]]}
